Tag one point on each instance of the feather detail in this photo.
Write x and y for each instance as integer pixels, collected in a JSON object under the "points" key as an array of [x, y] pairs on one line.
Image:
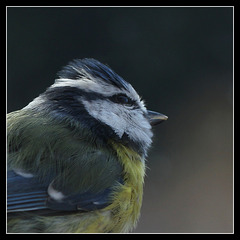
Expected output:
{"points": [[127, 201]]}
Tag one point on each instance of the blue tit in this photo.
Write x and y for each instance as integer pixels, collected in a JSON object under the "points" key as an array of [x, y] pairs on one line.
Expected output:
{"points": [[76, 154]]}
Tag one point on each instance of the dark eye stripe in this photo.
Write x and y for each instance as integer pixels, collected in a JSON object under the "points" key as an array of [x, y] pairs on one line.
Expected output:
{"points": [[122, 99], [67, 96]]}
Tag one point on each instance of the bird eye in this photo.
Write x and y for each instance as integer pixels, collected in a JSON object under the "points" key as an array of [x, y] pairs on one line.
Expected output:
{"points": [[122, 99]]}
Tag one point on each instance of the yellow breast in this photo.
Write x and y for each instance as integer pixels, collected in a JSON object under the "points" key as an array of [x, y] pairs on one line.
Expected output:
{"points": [[122, 215], [127, 201]]}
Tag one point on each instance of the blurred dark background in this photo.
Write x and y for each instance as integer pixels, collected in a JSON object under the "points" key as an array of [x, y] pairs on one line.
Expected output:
{"points": [[180, 59]]}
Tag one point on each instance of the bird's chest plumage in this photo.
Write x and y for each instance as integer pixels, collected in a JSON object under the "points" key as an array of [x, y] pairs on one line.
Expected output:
{"points": [[127, 200], [123, 213]]}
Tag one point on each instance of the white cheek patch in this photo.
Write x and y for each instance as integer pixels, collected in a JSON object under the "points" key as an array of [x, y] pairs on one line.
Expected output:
{"points": [[121, 120], [107, 113], [139, 129]]}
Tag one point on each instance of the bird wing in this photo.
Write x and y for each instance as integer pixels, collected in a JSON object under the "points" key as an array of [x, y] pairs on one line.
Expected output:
{"points": [[69, 171], [24, 194], [78, 186], [28, 194]]}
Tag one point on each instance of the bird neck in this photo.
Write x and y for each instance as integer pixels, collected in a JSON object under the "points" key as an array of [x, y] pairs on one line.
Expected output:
{"points": [[133, 163]]}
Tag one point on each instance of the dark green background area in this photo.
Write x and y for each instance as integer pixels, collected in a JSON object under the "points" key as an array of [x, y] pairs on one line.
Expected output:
{"points": [[180, 60]]}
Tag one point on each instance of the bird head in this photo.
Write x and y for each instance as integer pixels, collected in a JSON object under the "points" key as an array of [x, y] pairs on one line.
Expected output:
{"points": [[90, 94]]}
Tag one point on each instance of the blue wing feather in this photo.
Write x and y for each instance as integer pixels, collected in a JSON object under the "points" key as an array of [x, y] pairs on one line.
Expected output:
{"points": [[28, 194], [25, 194]]}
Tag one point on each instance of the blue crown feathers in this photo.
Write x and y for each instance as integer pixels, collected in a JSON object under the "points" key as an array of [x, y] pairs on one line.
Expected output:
{"points": [[78, 68]]}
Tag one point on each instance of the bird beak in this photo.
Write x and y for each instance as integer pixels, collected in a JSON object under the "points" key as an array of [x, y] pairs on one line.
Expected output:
{"points": [[155, 118]]}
